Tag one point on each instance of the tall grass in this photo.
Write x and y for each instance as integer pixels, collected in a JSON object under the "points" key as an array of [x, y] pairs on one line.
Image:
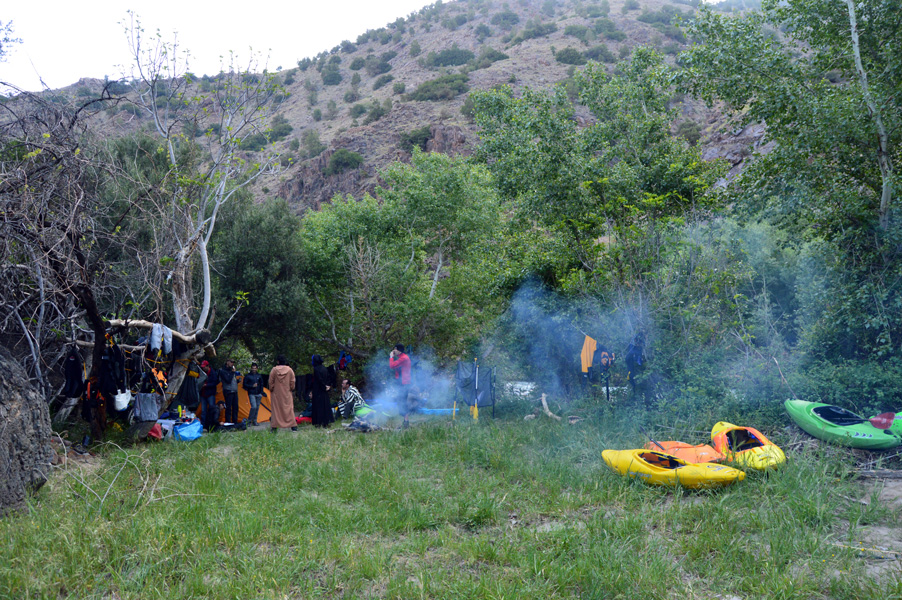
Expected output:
{"points": [[494, 509]]}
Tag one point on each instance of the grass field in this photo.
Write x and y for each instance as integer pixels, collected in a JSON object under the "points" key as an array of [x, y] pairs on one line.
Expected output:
{"points": [[494, 509]]}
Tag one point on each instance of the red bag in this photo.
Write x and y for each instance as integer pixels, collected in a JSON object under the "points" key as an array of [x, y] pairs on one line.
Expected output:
{"points": [[156, 432]]}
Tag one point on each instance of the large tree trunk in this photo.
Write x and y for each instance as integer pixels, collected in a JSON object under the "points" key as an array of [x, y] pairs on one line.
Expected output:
{"points": [[25, 450]]}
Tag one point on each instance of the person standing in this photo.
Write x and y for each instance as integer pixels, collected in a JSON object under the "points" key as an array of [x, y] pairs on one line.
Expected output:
{"points": [[281, 386], [209, 410], [229, 378], [253, 383], [322, 410], [400, 364]]}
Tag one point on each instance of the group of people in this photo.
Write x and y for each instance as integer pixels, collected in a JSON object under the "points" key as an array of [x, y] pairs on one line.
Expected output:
{"points": [[282, 382]]}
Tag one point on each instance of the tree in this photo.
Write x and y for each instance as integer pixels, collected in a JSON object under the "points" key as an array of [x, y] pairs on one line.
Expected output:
{"points": [[235, 109], [838, 139], [447, 202]]}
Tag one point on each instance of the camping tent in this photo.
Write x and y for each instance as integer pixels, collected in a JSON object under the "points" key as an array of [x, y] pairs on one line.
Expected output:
{"points": [[244, 405]]}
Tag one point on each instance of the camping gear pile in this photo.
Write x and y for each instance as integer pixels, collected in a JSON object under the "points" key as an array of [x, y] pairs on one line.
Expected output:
{"points": [[674, 463]]}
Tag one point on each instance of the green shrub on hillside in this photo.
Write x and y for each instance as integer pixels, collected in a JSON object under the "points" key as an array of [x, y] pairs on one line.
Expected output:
{"points": [[486, 57], [441, 88], [357, 64], [482, 32], [352, 95], [690, 131], [630, 5], [398, 87], [450, 57], [357, 110], [416, 138], [415, 49], [536, 31], [580, 32], [600, 53], [382, 81], [317, 114], [570, 56], [506, 20], [312, 144], [342, 160], [452, 23], [331, 77]]}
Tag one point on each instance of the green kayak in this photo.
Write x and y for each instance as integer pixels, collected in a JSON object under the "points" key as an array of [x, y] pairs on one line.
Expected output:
{"points": [[835, 424]]}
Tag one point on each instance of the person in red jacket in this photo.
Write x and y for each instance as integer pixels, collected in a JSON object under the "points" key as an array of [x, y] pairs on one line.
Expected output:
{"points": [[400, 364]]}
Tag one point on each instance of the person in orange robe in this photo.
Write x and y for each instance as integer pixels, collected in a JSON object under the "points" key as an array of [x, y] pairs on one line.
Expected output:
{"points": [[281, 388]]}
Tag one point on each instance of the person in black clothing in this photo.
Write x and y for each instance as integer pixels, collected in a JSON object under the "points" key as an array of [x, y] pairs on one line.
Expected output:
{"points": [[634, 358], [322, 411], [229, 378], [208, 397], [253, 383]]}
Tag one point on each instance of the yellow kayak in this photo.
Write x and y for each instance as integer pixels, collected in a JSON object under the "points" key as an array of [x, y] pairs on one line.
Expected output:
{"points": [[657, 468], [746, 446]]}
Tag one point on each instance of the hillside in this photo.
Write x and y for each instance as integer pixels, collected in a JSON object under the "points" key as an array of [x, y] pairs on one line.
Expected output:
{"points": [[368, 95]]}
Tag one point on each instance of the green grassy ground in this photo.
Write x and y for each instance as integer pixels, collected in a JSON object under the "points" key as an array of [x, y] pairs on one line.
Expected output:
{"points": [[495, 509]]}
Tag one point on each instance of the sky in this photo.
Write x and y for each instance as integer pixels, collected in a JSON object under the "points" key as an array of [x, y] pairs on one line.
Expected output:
{"points": [[63, 41]]}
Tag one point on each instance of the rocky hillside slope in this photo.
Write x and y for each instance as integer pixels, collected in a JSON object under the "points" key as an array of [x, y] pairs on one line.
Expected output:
{"points": [[367, 95]]}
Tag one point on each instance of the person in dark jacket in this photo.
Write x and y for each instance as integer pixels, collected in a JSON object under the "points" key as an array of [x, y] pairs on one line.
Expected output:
{"points": [[230, 378], [322, 411], [253, 383], [208, 397]]}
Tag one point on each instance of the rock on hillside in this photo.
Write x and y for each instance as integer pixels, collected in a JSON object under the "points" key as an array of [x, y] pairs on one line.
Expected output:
{"points": [[25, 450]]}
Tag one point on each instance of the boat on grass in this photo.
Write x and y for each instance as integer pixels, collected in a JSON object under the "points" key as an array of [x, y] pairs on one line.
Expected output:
{"points": [[840, 426], [699, 453], [746, 446], [658, 468]]}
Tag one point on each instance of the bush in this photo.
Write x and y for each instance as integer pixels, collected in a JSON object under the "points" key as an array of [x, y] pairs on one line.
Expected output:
{"points": [[317, 115], [342, 160], [348, 47], [415, 48], [630, 5], [279, 128], [600, 53], [399, 87], [537, 31], [604, 26], [331, 77], [580, 32], [690, 131], [382, 81], [454, 22], [617, 36], [376, 112], [254, 142], [482, 32], [357, 64], [487, 57], [352, 95], [312, 144], [357, 110], [378, 65], [570, 56], [506, 19], [441, 88], [450, 57], [417, 137], [355, 79], [289, 78]]}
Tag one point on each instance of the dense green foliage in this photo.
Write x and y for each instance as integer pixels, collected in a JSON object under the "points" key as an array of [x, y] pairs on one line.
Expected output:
{"points": [[441, 88], [342, 160]]}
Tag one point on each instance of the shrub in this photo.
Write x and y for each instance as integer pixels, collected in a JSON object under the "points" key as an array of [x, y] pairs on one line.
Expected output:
{"points": [[604, 26], [357, 110], [342, 160], [254, 142], [570, 56], [331, 77], [382, 81], [289, 78], [417, 137], [482, 32], [304, 64], [441, 88], [399, 87], [617, 35], [348, 47], [690, 131], [630, 5], [352, 95], [312, 144], [454, 22], [317, 115], [536, 31], [376, 112], [600, 53], [357, 64], [488, 56], [415, 48], [580, 32], [506, 19], [548, 8], [624, 52], [450, 57], [378, 65], [294, 145], [279, 128], [355, 79]]}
